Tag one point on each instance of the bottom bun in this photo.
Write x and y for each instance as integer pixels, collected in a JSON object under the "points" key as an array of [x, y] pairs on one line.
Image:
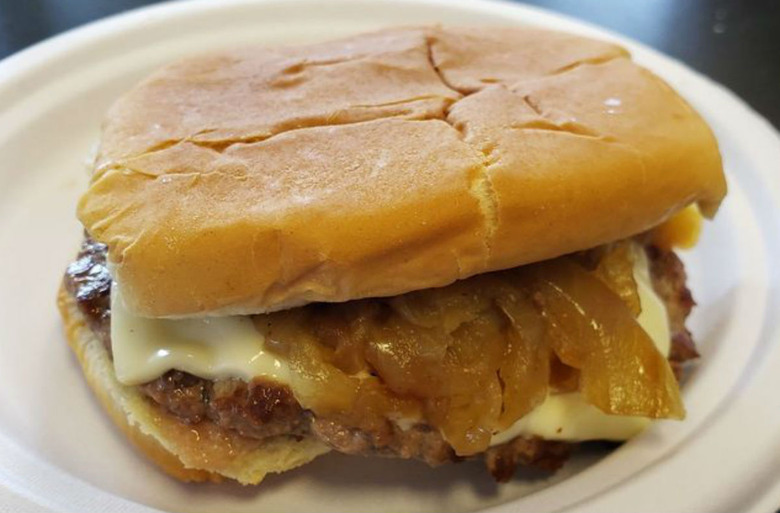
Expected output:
{"points": [[202, 452]]}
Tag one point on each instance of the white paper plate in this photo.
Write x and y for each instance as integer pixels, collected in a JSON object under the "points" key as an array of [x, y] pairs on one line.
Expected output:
{"points": [[58, 452]]}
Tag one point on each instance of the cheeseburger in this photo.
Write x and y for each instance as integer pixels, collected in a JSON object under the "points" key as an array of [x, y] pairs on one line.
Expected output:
{"points": [[428, 243]]}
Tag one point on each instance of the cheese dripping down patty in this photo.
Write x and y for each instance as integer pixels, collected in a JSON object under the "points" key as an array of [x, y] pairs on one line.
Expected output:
{"points": [[230, 347]]}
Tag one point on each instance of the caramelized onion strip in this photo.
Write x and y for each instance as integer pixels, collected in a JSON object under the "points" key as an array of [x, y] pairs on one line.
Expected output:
{"points": [[591, 329]]}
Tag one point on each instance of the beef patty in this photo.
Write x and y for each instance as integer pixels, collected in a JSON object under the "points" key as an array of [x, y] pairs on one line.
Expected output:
{"points": [[261, 408]]}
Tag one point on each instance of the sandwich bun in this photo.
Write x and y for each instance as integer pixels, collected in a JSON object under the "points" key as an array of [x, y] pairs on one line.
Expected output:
{"points": [[257, 180]]}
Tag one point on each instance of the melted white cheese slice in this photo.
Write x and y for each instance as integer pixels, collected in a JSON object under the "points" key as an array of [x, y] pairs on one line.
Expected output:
{"points": [[223, 347], [209, 347], [567, 416]]}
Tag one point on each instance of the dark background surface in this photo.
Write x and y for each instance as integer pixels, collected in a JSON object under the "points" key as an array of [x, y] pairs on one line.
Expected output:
{"points": [[735, 42]]}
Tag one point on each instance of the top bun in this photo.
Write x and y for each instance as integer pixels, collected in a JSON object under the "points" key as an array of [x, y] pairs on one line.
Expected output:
{"points": [[259, 179]]}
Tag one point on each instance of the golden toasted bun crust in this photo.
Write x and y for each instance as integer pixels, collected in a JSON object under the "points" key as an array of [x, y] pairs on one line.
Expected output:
{"points": [[201, 452], [261, 179]]}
